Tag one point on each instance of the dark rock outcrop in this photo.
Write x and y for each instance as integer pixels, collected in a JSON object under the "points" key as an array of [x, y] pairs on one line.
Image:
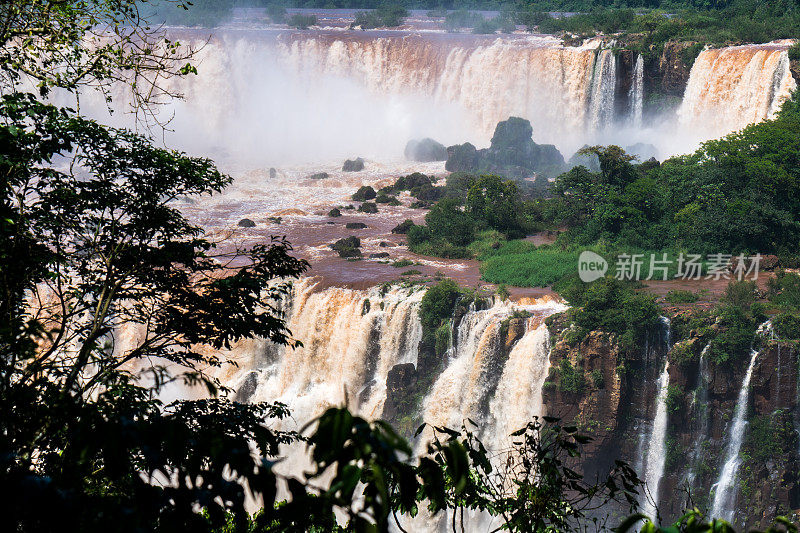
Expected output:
{"points": [[425, 150], [247, 223], [365, 192], [400, 379], [349, 247], [512, 153], [353, 165]]}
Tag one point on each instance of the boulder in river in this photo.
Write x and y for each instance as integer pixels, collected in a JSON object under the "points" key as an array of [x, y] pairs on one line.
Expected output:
{"points": [[425, 150], [353, 165], [247, 223]]}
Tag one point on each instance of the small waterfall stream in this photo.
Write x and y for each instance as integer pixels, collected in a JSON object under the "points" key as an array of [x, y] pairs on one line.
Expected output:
{"points": [[601, 97], [702, 408], [656, 453], [725, 491], [656, 445], [636, 93]]}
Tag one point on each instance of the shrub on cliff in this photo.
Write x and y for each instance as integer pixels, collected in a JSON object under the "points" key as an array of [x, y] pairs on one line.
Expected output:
{"points": [[612, 306], [787, 326], [738, 316], [438, 305]]}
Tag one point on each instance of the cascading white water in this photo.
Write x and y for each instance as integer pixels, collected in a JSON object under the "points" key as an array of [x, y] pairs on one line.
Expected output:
{"points": [[656, 453], [349, 346], [518, 397], [604, 81], [701, 404], [725, 488], [730, 88], [274, 98], [656, 450], [460, 391], [636, 93]]}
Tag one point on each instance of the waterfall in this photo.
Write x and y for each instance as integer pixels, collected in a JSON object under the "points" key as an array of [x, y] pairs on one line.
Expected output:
{"points": [[351, 339], [656, 447], [656, 453], [701, 405], [604, 81], [636, 93], [518, 397], [277, 98], [725, 492], [729, 88], [461, 390]]}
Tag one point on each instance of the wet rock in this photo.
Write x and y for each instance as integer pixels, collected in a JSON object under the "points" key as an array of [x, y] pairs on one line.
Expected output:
{"points": [[368, 207], [247, 223], [643, 151], [512, 153], [273, 173], [334, 212], [355, 225], [318, 176], [400, 379], [673, 70], [353, 165], [247, 388], [348, 247], [379, 255], [425, 150], [364, 193]]}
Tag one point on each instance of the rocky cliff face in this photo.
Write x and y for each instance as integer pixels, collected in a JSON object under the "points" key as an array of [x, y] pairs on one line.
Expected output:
{"points": [[612, 394]]}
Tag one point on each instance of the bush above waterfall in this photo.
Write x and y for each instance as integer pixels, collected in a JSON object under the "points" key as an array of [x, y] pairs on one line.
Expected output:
{"points": [[738, 194], [612, 306]]}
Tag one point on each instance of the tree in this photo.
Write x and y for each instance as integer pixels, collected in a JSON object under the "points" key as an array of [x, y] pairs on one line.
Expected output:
{"points": [[93, 44], [497, 203], [447, 220], [87, 251], [528, 486]]}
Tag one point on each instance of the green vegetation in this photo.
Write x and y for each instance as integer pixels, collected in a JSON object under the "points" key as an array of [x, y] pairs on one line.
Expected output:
{"points": [[302, 22], [522, 264], [369, 208], [737, 318], [364, 193], [787, 326], [570, 379], [386, 16], [737, 194], [611, 306], [680, 297], [349, 247], [598, 379], [674, 399], [437, 307], [403, 227]]}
